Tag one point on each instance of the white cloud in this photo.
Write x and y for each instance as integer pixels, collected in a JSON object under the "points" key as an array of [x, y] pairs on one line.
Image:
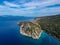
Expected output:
{"points": [[34, 8], [41, 4], [1, 6], [45, 11], [33, 4], [12, 11], [10, 4]]}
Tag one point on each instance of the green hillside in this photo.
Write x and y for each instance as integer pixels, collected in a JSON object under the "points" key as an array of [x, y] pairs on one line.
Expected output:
{"points": [[50, 24]]}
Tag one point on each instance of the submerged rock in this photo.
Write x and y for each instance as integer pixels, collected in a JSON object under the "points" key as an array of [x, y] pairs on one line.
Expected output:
{"points": [[30, 29]]}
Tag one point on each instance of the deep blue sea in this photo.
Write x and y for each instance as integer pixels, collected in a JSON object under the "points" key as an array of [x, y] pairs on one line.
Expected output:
{"points": [[10, 35]]}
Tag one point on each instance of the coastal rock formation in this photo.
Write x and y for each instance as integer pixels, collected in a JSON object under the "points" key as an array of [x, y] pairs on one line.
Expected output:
{"points": [[48, 24], [30, 29]]}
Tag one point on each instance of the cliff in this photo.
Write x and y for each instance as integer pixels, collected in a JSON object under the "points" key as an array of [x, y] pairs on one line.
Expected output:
{"points": [[30, 29]]}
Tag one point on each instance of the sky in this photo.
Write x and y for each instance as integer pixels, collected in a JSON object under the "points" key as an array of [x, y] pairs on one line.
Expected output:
{"points": [[29, 7]]}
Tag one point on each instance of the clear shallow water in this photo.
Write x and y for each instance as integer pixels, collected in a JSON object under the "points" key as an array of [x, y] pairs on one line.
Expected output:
{"points": [[10, 35]]}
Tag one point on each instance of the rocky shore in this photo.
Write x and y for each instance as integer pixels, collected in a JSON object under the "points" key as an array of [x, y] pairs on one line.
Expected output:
{"points": [[30, 29]]}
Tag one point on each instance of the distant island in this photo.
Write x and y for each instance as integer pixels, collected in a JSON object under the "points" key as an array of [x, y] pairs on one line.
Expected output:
{"points": [[49, 24], [14, 18]]}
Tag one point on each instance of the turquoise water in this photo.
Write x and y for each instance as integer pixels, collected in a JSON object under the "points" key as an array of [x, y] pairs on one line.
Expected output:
{"points": [[10, 35]]}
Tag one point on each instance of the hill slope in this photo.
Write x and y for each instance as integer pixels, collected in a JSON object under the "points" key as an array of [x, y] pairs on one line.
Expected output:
{"points": [[50, 24]]}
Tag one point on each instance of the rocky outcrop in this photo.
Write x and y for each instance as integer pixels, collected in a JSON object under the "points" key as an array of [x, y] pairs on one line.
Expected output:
{"points": [[30, 29]]}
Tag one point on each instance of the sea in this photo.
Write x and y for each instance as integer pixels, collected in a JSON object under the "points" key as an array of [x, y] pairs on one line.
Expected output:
{"points": [[10, 35]]}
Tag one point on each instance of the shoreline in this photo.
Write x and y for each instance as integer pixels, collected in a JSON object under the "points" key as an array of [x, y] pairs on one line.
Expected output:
{"points": [[39, 35], [34, 35]]}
